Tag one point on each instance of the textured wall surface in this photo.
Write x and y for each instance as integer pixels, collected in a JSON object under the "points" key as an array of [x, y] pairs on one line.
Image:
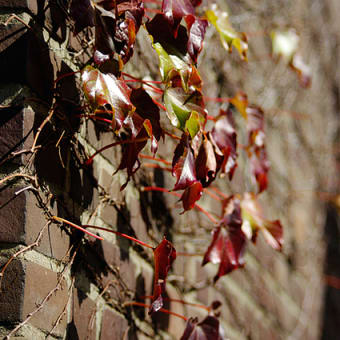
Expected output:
{"points": [[61, 285]]}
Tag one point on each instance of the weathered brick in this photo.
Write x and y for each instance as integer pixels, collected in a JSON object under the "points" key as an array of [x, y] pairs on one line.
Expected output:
{"points": [[9, 34], [12, 292], [12, 216], [83, 316], [114, 326], [31, 5], [38, 283], [21, 221]]}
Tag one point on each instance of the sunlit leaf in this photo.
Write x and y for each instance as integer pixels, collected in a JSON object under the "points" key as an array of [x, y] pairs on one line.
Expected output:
{"points": [[229, 37], [174, 59], [180, 107], [254, 222], [105, 90], [164, 256], [285, 45]]}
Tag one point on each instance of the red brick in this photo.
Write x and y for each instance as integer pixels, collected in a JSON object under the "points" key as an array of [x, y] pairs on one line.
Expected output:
{"points": [[21, 221], [84, 316], [114, 326], [39, 282], [12, 216], [12, 294]]}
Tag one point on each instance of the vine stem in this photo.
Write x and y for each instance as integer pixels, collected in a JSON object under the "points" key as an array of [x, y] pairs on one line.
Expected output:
{"points": [[198, 207], [138, 140], [147, 83], [208, 309], [60, 219], [120, 234], [141, 304], [154, 159]]}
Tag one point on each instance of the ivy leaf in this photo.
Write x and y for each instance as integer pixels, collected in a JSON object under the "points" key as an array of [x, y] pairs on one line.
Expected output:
{"points": [[82, 13], [208, 329], [196, 30], [206, 164], [129, 160], [228, 243], [164, 256], [174, 60], [185, 110], [240, 101], [223, 136], [183, 165], [285, 45], [253, 222], [228, 36], [259, 165], [105, 90], [149, 111], [256, 146], [175, 10], [191, 195]]}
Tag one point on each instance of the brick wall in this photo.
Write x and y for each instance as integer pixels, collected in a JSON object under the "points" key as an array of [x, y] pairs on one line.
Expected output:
{"points": [[62, 285]]}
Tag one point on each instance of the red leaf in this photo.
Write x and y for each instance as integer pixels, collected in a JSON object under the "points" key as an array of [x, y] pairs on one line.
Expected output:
{"points": [[175, 10], [208, 329], [196, 30], [107, 91], [183, 165], [191, 195], [228, 243], [260, 167], [254, 222], [223, 136], [206, 163], [82, 13], [164, 256]]}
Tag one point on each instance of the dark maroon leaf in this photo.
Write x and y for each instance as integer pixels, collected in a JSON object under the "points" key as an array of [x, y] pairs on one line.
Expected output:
{"points": [[183, 165], [164, 256], [191, 195], [208, 329], [223, 136], [82, 13], [131, 150], [196, 29], [175, 10], [206, 163], [149, 111], [228, 243]]}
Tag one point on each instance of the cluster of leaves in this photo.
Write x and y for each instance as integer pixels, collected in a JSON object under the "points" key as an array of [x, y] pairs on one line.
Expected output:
{"points": [[200, 154]]}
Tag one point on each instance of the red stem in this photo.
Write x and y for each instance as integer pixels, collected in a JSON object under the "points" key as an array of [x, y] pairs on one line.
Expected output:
{"points": [[215, 197], [65, 75], [120, 234], [159, 104], [59, 219], [206, 213], [154, 159], [160, 91], [95, 118], [90, 160], [141, 304], [172, 135], [218, 191]]}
